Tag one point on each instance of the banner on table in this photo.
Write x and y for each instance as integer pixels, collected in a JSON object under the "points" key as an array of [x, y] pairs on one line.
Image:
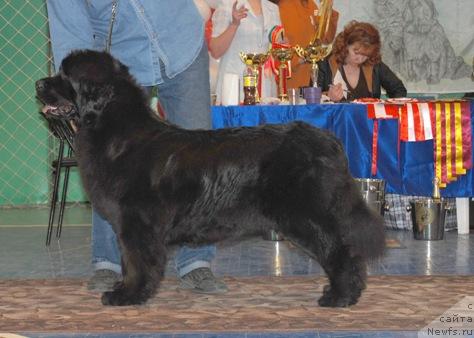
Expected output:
{"points": [[447, 123], [452, 141]]}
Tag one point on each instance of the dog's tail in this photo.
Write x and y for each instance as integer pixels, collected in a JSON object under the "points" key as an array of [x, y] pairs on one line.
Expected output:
{"points": [[365, 234]]}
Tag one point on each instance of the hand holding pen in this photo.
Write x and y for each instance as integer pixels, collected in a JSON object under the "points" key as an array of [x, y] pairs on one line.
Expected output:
{"points": [[336, 92]]}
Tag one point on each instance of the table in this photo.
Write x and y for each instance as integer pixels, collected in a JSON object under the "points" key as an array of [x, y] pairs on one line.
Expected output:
{"points": [[407, 167]]}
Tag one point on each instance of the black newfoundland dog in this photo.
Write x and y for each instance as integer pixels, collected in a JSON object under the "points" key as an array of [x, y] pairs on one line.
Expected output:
{"points": [[159, 184]]}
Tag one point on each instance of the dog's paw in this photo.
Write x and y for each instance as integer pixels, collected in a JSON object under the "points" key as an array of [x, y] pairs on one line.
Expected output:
{"points": [[332, 299], [120, 298], [327, 288]]}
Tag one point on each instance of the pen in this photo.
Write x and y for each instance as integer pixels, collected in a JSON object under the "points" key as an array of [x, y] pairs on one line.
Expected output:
{"points": [[345, 90]]}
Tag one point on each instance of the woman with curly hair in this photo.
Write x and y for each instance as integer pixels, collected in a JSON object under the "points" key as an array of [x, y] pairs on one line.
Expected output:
{"points": [[355, 68]]}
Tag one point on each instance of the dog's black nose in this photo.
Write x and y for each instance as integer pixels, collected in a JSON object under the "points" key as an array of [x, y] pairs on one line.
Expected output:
{"points": [[41, 84]]}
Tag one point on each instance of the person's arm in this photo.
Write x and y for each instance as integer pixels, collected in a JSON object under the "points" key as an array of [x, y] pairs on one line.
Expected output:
{"points": [[218, 45], [325, 79], [69, 27], [390, 82], [324, 75]]}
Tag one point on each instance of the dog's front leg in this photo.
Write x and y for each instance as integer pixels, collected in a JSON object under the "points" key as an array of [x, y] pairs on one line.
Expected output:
{"points": [[143, 265]]}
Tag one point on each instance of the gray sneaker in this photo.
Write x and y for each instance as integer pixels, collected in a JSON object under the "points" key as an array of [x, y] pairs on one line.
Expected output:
{"points": [[202, 280], [103, 280]]}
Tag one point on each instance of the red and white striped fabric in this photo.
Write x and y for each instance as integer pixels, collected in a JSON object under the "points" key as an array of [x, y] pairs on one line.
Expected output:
{"points": [[415, 122], [415, 118], [381, 110]]}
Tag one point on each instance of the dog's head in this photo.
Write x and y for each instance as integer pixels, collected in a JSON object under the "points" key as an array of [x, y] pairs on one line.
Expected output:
{"points": [[83, 87]]}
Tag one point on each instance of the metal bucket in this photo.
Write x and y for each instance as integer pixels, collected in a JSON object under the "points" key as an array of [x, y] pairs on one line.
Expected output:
{"points": [[373, 192], [428, 218]]}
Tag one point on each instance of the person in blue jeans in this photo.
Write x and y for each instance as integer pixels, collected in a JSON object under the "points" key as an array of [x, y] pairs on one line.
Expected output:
{"points": [[162, 43]]}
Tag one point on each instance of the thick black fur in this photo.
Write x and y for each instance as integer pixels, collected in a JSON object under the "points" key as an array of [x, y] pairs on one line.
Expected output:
{"points": [[159, 184]]}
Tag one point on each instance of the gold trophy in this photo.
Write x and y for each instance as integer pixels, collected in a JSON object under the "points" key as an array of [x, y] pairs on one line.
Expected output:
{"points": [[316, 50], [283, 55], [314, 53], [255, 60]]}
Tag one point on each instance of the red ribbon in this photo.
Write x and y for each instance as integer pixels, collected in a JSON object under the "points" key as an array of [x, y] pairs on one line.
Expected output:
{"points": [[375, 137], [466, 134], [284, 75]]}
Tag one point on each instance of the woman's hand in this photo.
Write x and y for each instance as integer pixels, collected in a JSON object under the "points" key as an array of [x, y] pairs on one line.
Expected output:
{"points": [[336, 92], [238, 14], [220, 44]]}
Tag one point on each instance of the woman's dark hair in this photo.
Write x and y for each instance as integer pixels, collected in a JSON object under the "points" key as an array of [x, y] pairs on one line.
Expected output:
{"points": [[362, 33]]}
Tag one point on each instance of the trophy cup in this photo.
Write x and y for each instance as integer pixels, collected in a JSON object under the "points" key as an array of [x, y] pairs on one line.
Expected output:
{"points": [[316, 50], [283, 55], [314, 53], [256, 61]]}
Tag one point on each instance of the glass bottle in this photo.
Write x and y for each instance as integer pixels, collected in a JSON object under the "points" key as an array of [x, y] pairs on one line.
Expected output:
{"points": [[250, 84]]}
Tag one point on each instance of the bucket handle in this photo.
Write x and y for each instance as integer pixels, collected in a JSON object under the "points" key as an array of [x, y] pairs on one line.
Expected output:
{"points": [[446, 208]]}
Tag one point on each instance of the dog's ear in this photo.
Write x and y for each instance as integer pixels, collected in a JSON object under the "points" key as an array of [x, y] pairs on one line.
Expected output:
{"points": [[92, 100], [93, 66], [119, 67]]}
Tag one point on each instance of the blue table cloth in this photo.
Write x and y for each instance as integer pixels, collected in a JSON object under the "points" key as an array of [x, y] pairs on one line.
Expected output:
{"points": [[407, 167]]}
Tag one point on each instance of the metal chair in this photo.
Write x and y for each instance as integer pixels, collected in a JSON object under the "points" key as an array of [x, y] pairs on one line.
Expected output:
{"points": [[63, 130]]}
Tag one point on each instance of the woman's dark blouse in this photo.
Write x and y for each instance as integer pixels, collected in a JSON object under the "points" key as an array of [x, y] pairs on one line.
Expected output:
{"points": [[382, 77], [360, 90]]}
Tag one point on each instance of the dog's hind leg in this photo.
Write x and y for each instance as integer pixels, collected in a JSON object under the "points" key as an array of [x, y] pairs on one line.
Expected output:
{"points": [[143, 265], [346, 274], [361, 237]]}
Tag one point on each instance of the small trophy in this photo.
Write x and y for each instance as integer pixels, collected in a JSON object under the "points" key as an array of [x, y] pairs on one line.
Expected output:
{"points": [[314, 53], [256, 61], [283, 55]]}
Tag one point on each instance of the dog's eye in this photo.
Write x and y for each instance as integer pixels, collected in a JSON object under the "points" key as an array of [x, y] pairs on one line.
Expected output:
{"points": [[89, 119]]}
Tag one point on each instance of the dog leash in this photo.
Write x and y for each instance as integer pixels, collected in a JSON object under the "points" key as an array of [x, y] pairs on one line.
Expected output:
{"points": [[111, 26]]}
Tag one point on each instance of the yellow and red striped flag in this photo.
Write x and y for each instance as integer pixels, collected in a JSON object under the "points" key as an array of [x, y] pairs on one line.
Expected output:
{"points": [[452, 139]]}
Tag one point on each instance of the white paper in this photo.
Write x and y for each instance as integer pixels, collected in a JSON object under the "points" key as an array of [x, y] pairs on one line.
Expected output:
{"points": [[338, 79]]}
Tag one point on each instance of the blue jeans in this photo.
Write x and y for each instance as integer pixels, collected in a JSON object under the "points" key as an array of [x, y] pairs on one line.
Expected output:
{"points": [[186, 102], [106, 251], [186, 98]]}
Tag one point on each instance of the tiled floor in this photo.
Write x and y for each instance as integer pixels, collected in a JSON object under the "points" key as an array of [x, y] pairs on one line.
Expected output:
{"points": [[23, 254]]}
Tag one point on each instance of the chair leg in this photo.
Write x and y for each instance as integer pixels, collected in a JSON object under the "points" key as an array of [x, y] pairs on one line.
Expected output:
{"points": [[54, 195], [63, 202]]}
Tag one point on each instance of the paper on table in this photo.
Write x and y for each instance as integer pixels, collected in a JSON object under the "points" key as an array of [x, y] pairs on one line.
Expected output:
{"points": [[338, 79]]}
